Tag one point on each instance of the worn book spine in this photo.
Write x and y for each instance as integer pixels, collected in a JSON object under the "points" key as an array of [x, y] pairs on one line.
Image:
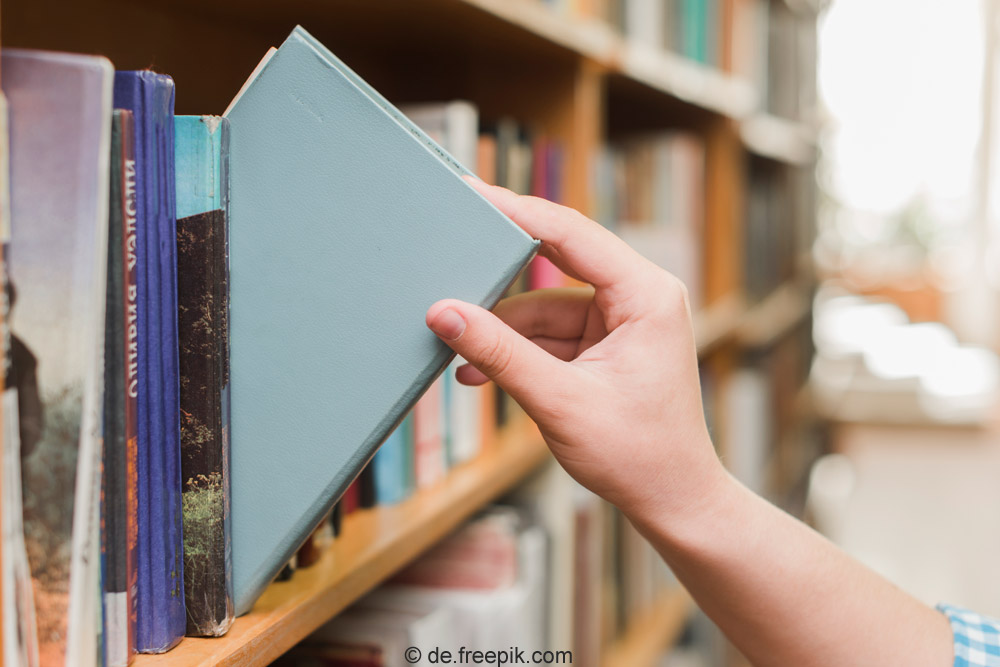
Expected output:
{"points": [[114, 507], [202, 198], [130, 270], [160, 619]]}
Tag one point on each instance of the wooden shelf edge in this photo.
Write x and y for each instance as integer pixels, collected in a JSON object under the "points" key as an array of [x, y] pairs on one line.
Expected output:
{"points": [[686, 80], [780, 312], [717, 323], [590, 38], [651, 631], [700, 85], [779, 139], [373, 545]]}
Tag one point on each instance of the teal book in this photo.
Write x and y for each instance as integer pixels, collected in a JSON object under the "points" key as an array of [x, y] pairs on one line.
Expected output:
{"points": [[201, 146], [694, 25], [347, 223], [392, 466]]}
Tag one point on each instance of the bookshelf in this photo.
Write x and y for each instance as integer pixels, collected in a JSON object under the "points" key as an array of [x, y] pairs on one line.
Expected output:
{"points": [[580, 82], [374, 544], [652, 631]]}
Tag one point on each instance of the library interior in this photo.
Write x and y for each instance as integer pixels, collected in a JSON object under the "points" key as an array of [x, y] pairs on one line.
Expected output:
{"points": [[231, 437]]}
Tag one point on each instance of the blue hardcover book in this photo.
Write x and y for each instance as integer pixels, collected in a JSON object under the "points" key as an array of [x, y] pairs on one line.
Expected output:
{"points": [[391, 465], [202, 156], [160, 618], [347, 223]]}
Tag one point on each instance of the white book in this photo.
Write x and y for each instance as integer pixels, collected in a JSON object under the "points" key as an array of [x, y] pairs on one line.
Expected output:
{"points": [[453, 125], [644, 22]]}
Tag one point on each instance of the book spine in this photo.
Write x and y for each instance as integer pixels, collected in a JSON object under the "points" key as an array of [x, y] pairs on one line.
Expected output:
{"points": [[389, 467], [350, 502], [114, 533], [161, 618], [366, 487], [130, 270], [203, 341], [463, 417], [428, 442]]}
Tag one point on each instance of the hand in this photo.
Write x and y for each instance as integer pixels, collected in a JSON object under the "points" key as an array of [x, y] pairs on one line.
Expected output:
{"points": [[609, 373]]}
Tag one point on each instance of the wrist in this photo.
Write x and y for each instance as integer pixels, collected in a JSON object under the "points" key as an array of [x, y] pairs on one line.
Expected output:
{"points": [[687, 501]]}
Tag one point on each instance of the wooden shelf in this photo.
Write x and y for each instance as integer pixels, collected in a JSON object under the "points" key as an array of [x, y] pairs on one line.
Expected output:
{"points": [[717, 323], [779, 139], [694, 83], [780, 312], [651, 632], [373, 545], [686, 80], [590, 38]]}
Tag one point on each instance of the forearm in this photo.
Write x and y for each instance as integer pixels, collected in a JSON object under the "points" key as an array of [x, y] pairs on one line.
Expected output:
{"points": [[783, 594]]}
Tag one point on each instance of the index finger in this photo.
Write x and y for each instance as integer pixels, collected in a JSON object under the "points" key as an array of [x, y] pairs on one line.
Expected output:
{"points": [[588, 249]]}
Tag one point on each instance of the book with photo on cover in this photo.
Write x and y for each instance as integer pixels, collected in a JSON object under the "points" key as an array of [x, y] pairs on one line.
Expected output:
{"points": [[347, 223], [60, 113], [202, 155]]}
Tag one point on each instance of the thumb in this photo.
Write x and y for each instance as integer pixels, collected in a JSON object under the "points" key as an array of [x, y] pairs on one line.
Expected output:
{"points": [[517, 365]]}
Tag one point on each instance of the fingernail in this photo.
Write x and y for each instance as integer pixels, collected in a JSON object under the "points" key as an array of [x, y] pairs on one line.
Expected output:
{"points": [[448, 324]]}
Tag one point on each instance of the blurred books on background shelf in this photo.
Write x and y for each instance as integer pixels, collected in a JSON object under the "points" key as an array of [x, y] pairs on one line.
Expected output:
{"points": [[650, 191], [488, 587]]}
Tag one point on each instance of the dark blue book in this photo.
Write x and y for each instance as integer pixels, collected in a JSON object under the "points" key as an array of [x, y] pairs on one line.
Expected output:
{"points": [[160, 621]]}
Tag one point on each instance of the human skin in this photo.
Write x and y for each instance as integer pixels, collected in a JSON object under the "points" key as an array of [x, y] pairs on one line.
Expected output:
{"points": [[610, 375]]}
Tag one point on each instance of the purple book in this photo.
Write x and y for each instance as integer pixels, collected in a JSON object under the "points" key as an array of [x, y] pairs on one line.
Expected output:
{"points": [[160, 621]]}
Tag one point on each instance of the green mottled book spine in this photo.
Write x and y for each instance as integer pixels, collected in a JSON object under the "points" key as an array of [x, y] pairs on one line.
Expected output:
{"points": [[203, 326]]}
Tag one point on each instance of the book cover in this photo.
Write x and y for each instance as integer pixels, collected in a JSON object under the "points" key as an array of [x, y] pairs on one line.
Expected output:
{"points": [[115, 468], [347, 223], [20, 640], [160, 621], [60, 110], [201, 158]]}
